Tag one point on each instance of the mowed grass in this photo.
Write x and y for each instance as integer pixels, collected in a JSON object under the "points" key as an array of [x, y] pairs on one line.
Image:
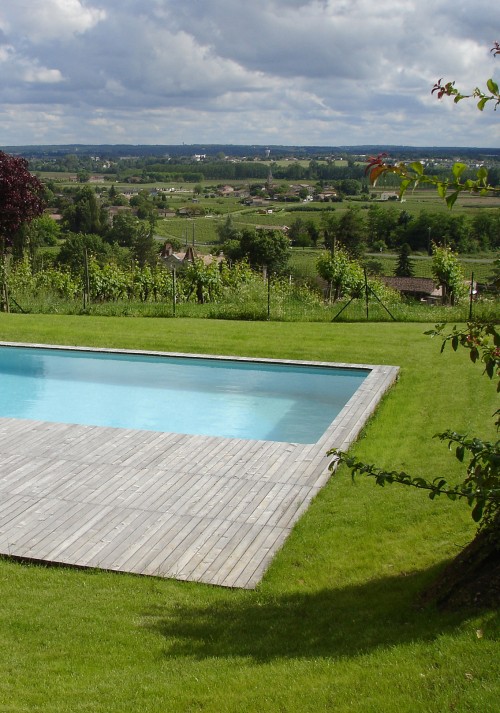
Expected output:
{"points": [[335, 624]]}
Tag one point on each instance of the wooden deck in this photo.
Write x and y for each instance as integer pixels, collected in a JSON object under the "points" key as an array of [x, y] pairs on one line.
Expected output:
{"points": [[196, 508]]}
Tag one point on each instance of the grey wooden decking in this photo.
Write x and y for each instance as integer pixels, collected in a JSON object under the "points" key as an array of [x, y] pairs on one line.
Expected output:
{"points": [[196, 508]]}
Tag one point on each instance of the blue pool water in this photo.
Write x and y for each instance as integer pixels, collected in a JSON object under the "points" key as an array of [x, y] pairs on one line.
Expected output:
{"points": [[200, 396]]}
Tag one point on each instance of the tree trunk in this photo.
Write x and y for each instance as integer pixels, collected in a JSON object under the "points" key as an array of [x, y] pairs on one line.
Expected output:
{"points": [[472, 579]]}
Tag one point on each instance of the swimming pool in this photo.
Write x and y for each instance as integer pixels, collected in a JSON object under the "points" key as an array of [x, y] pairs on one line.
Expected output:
{"points": [[241, 398], [200, 508]]}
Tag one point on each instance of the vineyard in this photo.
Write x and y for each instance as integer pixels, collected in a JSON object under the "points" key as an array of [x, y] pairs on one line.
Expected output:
{"points": [[218, 291]]}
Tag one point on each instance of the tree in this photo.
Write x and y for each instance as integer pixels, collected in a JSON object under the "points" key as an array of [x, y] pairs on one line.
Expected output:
{"points": [[351, 232], [112, 193], [21, 197], [485, 230], [123, 229], [474, 576], [144, 246], [381, 224], [265, 248], [349, 186], [448, 274], [203, 280], [40, 232], [85, 214], [404, 268], [226, 231], [72, 252], [313, 232], [83, 176], [330, 226], [343, 274], [44, 231], [143, 205], [299, 234]]}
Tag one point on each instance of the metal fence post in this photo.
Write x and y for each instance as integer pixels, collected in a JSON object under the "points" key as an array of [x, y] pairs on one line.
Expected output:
{"points": [[174, 291], [471, 296], [268, 297]]}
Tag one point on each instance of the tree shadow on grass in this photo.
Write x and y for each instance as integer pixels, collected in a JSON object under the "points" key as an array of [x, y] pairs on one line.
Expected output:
{"points": [[333, 623]]}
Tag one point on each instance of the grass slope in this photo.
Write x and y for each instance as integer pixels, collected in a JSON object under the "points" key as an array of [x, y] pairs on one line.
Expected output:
{"points": [[334, 625]]}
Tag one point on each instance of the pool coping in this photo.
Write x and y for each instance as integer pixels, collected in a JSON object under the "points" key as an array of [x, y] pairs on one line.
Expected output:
{"points": [[198, 508]]}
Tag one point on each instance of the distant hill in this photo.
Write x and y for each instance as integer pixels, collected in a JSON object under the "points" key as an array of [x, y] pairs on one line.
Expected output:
{"points": [[113, 151]]}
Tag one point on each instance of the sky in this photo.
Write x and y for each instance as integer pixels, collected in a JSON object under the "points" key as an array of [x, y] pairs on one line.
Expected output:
{"points": [[266, 72]]}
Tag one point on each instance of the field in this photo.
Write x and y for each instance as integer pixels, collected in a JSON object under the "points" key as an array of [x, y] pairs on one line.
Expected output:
{"points": [[336, 623]]}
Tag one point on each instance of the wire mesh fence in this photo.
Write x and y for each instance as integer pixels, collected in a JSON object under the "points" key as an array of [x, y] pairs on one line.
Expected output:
{"points": [[246, 295]]}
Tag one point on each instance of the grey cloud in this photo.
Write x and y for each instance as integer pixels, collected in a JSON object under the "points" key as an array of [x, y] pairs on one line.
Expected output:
{"points": [[227, 70]]}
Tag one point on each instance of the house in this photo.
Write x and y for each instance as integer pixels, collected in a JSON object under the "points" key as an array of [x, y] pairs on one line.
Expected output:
{"points": [[255, 201], [328, 196], [420, 288], [179, 259], [115, 209], [225, 191]]}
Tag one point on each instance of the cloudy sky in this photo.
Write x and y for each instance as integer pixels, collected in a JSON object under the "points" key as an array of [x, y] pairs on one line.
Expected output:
{"points": [[306, 72]]}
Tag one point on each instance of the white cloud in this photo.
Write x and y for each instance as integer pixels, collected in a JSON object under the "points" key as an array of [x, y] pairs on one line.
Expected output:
{"points": [[42, 75], [295, 71], [41, 21]]}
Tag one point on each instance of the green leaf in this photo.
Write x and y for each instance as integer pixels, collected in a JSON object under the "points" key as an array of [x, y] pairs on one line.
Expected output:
{"points": [[492, 86], [477, 511], [450, 200], [454, 343], [441, 189], [482, 102], [404, 186], [417, 167], [460, 453], [441, 482], [458, 169], [482, 173]]}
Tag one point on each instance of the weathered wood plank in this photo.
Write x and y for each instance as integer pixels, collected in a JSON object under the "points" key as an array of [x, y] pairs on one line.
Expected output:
{"points": [[192, 507]]}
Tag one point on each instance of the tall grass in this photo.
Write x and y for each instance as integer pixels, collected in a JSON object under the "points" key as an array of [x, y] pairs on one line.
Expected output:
{"points": [[254, 303]]}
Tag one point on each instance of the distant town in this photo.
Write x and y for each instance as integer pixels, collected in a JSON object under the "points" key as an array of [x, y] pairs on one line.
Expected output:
{"points": [[197, 163]]}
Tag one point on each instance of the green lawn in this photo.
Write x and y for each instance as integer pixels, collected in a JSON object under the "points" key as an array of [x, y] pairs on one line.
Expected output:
{"points": [[335, 625]]}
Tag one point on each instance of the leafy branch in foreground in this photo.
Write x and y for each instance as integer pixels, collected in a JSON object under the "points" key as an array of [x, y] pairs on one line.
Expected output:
{"points": [[412, 175], [480, 488], [481, 485], [482, 339], [450, 90]]}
